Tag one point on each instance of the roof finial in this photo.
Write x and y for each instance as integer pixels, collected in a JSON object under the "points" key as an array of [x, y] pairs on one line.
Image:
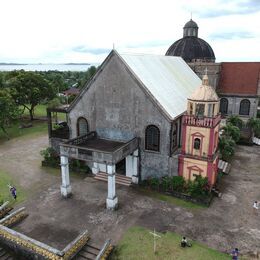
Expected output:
{"points": [[113, 46], [206, 71], [191, 15]]}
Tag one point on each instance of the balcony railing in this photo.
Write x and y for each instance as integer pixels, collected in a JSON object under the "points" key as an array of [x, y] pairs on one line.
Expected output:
{"points": [[203, 122], [77, 148]]}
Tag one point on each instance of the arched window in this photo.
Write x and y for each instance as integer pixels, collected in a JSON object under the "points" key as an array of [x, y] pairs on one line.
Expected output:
{"points": [[223, 106], [197, 143], [82, 126], [244, 107], [152, 138]]}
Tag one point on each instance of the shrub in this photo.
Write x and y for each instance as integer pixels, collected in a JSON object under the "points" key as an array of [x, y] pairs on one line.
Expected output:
{"points": [[235, 120], [166, 183], [226, 147], [50, 156], [232, 131], [177, 183], [254, 124], [154, 183], [198, 187]]}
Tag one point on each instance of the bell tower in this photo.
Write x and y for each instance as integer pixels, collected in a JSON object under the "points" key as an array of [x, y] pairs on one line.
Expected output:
{"points": [[200, 131]]}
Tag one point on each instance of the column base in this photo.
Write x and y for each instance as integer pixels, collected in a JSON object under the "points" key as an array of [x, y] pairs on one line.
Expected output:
{"points": [[135, 179], [65, 191], [112, 204], [95, 170]]}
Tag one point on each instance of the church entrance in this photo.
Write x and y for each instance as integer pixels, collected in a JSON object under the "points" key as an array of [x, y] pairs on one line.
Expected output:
{"points": [[120, 167]]}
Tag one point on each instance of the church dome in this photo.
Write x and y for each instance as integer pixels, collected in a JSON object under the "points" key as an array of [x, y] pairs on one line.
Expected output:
{"points": [[190, 47], [204, 92]]}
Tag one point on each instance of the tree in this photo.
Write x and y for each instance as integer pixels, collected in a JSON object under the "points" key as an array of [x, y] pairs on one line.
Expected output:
{"points": [[236, 121], [226, 147], [232, 131], [29, 89], [254, 123], [9, 110]]}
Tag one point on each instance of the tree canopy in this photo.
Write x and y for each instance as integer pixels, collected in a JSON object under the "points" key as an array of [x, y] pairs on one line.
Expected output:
{"points": [[8, 108], [29, 89]]}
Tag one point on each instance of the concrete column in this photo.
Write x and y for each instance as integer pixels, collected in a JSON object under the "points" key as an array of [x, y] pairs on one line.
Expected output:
{"points": [[95, 168], [65, 186], [135, 167], [129, 166], [112, 200]]}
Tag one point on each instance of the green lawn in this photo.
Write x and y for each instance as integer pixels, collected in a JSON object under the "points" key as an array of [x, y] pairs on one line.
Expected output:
{"points": [[137, 243], [39, 111], [14, 131], [5, 195], [170, 199]]}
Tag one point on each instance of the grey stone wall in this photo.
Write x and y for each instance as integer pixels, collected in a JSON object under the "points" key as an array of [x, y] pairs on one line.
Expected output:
{"points": [[117, 108], [213, 71], [234, 105]]}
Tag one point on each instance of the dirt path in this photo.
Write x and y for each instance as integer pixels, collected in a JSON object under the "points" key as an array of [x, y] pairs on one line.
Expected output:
{"points": [[228, 223]]}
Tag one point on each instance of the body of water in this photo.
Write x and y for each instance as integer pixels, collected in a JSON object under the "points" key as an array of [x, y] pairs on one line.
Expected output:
{"points": [[46, 67]]}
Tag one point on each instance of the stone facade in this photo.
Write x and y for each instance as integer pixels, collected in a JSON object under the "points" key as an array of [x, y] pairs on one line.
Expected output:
{"points": [[235, 98], [117, 108]]}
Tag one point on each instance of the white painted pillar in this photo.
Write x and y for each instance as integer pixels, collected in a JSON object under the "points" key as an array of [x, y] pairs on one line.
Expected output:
{"points": [[95, 168], [135, 167], [65, 175], [112, 200], [129, 166]]}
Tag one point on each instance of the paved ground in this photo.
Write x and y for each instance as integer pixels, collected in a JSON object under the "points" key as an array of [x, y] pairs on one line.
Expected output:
{"points": [[229, 222]]}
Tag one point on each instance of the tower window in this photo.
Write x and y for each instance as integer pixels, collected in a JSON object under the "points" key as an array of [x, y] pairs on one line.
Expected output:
{"points": [[152, 138], [244, 107], [200, 108], [196, 144]]}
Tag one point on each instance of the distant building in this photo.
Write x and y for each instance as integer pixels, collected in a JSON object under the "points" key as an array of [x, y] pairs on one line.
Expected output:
{"points": [[237, 83]]}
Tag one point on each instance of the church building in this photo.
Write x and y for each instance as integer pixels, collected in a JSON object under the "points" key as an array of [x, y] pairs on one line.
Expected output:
{"points": [[127, 119], [237, 83]]}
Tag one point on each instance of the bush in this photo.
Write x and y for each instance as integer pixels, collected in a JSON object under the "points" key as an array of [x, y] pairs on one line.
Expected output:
{"points": [[177, 183], [166, 183], [153, 183], [235, 121], [198, 187], [50, 156], [232, 131]]}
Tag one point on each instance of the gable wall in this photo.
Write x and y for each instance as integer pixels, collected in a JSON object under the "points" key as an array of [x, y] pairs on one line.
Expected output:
{"points": [[117, 108]]}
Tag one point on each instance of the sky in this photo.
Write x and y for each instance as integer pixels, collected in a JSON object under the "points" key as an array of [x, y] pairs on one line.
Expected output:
{"points": [[62, 31]]}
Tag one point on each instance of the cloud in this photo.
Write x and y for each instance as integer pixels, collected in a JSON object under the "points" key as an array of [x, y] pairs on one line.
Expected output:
{"points": [[84, 49], [153, 43], [231, 35], [234, 7]]}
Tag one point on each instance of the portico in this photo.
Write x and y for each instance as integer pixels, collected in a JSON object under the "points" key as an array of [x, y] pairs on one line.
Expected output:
{"points": [[104, 154]]}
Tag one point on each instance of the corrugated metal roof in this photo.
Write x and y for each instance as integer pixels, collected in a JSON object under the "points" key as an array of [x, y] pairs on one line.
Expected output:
{"points": [[168, 79]]}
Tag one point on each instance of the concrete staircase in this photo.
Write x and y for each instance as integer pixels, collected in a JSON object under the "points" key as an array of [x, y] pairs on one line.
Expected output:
{"points": [[120, 179], [92, 251], [89, 252], [4, 255]]}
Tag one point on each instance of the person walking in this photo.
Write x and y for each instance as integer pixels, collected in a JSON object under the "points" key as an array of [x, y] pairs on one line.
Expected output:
{"points": [[235, 254], [13, 191]]}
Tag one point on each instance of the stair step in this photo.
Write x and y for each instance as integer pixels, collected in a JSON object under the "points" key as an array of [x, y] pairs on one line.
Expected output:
{"points": [[123, 180], [87, 255], [90, 250]]}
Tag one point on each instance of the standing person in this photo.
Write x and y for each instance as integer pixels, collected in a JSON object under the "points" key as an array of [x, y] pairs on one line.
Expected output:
{"points": [[255, 207], [235, 254], [13, 191]]}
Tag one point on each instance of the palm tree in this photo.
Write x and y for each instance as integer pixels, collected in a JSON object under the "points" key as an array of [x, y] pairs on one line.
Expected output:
{"points": [[236, 121], [232, 131], [254, 124]]}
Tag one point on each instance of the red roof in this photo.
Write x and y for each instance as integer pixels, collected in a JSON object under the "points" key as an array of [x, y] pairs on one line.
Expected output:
{"points": [[240, 78]]}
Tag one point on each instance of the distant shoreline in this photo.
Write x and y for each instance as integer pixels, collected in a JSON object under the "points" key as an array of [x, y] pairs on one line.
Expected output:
{"points": [[35, 64]]}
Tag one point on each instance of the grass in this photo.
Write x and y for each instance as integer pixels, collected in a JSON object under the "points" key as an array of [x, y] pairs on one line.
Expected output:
{"points": [[38, 127], [5, 195], [14, 131], [170, 199], [137, 243]]}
